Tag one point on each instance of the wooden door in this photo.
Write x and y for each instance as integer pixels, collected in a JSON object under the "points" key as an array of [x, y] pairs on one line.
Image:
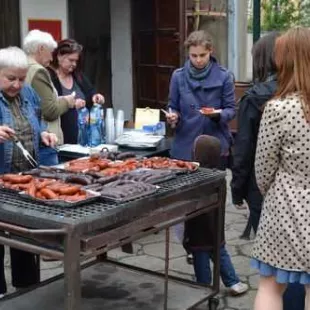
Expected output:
{"points": [[158, 36], [9, 23]]}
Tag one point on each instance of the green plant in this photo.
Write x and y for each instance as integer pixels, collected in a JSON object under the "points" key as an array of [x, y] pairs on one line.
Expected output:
{"points": [[279, 14], [304, 13]]}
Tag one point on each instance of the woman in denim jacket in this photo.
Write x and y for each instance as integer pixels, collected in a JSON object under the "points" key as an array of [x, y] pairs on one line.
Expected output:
{"points": [[20, 116]]}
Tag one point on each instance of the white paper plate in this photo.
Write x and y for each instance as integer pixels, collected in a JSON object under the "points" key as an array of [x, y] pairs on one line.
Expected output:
{"points": [[216, 111]]}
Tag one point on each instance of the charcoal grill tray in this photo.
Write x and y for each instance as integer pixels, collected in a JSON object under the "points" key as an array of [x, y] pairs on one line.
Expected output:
{"points": [[98, 214]]}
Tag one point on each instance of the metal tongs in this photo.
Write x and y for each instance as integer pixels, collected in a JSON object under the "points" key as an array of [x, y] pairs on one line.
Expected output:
{"points": [[25, 153]]}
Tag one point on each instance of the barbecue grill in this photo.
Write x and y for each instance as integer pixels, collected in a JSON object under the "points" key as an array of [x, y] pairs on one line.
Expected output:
{"points": [[74, 234]]}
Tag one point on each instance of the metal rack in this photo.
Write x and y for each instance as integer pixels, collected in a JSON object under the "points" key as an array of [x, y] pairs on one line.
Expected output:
{"points": [[88, 231]]}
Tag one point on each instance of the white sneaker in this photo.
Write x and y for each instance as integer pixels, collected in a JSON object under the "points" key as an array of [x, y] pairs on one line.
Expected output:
{"points": [[238, 288], [1, 296]]}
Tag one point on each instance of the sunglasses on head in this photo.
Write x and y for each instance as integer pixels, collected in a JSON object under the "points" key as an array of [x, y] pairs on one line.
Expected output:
{"points": [[71, 48]]}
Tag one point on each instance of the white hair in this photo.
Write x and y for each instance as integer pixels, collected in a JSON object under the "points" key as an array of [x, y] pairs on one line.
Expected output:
{"points": [[13, 57], [36, 38]]}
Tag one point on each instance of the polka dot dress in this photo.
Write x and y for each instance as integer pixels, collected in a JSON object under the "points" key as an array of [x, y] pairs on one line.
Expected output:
{"points": [[282, 168]]}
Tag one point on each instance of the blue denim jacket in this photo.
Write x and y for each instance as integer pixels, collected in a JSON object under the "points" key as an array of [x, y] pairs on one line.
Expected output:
{"points": [[187, 96], [30, 106]]}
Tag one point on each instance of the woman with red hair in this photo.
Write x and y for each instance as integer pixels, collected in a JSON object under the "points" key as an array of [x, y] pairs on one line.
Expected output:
{"points": [[282, 247]]}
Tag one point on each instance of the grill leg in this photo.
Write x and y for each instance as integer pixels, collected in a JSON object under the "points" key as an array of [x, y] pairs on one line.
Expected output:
{"points": [[166, 267], [72, 272], [213, 303]]}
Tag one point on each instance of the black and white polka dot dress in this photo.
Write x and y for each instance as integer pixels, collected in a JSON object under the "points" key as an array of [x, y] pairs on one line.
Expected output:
{"points": [[282, 168]]}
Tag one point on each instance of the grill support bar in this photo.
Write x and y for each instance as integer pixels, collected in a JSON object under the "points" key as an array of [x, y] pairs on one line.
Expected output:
{"points": [[30, 232], [30, 247]]}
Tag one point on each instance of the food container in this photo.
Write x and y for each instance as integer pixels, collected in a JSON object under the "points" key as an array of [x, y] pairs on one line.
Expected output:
{"points": [[91, 197]]}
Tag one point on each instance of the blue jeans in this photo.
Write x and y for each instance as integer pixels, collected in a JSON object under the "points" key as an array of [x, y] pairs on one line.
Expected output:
{"points": [[203, 270], [48, 156]]}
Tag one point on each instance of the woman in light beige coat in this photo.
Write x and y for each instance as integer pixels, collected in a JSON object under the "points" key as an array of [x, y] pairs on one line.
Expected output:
{"points": [[39, 46], [282, 246]]}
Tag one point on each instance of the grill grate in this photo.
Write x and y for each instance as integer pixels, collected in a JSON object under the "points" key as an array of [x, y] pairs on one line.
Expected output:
{"points": [[98, 208]]}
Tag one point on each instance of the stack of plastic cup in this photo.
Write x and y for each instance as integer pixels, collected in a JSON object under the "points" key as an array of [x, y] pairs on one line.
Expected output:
{"points": [[119, 123], [109, 126]]}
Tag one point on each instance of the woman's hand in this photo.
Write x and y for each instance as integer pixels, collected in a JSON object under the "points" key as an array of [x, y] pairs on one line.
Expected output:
{"points": [[98, 98], [71, 100], [49, 139], [172, 119], [79, 103], [6, 133]]}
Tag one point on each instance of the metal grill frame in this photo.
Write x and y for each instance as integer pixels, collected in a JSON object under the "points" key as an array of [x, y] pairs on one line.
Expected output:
{"points": [[97, 228]]}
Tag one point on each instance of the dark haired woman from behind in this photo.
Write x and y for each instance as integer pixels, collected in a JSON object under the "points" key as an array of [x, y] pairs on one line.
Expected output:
{"points": [[67, 78], [251, 108]]}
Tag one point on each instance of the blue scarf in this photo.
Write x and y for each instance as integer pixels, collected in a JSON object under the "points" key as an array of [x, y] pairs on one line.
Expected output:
{"points": [[198, 74]]}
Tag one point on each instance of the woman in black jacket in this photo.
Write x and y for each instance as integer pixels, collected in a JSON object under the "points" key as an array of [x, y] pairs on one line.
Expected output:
{"points": [[67, 78], [251, 106]]}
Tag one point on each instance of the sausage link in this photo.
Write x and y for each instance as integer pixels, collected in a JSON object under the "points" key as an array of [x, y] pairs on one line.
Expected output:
{"points": [[16, 179], [44, 183], [32, 190], [48, 194], [69, 190]]}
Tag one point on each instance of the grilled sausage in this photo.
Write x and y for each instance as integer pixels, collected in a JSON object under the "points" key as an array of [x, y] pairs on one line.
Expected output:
{"points": [[32, 190], [79, 179], [125, 155], [48, 194], [69, 190], [107, 179], [39, 195], [44, 183], [16, 179], [75, 198], [23, 187]]}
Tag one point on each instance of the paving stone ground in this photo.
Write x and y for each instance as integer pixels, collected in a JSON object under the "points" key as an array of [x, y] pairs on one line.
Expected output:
{"points": [[149, 253]]}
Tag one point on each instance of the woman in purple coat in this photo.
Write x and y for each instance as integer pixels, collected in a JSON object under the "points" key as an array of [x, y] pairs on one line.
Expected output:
{"points": [[203, 83]]}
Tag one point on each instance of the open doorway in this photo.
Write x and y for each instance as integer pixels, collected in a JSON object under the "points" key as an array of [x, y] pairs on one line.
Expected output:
{"points": [[90, 26]]}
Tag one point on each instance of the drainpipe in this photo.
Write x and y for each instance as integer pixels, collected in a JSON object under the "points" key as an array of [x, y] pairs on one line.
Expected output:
{"points": [[256, 20], [233, 38], [237, 38]]}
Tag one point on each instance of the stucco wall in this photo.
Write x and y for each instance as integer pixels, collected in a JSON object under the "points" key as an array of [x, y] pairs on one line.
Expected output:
{"points": [[121, 56], [43, 9]]}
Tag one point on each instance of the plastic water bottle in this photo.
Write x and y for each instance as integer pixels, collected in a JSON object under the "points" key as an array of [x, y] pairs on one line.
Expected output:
{"points": [[95, 125], [83, 117]]}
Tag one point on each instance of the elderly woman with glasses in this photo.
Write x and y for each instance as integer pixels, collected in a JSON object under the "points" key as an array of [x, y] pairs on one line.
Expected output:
{"points": [[39, 45], [20, 116], [67, 78]]}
